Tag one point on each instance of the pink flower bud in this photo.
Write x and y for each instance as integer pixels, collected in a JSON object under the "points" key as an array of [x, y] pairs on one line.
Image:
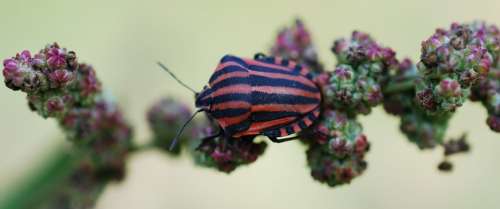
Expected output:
{"points": [[493, 122], [25, 56], [56, 58], [38, 60], [322, 79], [426, 99], [90, 84], [10, 65], [55, 105], [221, 156], [343, 72], [345, 174], [60, 78], [339, 147], [449, 87], [484, 66], [361, 144]]}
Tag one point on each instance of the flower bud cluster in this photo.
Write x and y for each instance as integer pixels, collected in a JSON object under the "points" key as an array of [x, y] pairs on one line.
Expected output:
{"points": [[488, 92], [453, 147], [452, 61], [337, 148], [165, 119], [103, 129], [425, 130], [295, 43], [336, 144], [53, 79], [456, 146], [355, 85], [224, 154], [60, 87]]}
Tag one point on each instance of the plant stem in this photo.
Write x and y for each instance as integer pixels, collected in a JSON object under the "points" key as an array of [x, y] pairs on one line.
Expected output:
{"points": [[43, 183], [400, 86]]}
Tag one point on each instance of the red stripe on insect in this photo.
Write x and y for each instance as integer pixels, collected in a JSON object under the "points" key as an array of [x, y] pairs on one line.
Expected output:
{"points": [[231, 104], [307, 121], [246, 133], [284, 107], [316, 113], [258, 126], [286, 91], [283, 132], [234, 89], [228, 121], [277, 60], [229, 75], [267, 65], [304, 71]]}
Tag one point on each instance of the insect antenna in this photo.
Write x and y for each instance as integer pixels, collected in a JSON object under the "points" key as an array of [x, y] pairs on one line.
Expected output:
{"points": [[174, 142], [175, 77]]}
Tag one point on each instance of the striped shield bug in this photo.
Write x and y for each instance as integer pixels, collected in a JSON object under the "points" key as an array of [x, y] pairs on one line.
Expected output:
{"points": [[266, 96]]}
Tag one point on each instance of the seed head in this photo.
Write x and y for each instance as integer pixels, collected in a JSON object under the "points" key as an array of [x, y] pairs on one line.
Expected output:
{"points": [[165, 118], [453, 61], [295, 43]]}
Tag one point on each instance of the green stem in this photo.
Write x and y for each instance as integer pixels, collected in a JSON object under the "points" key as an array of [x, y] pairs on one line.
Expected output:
{"points": [[399, 86], [41, 186]]}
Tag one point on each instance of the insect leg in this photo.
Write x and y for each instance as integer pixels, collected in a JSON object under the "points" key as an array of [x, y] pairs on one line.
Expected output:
{"points": [[276, 140], [225, 141], [208, 139]]}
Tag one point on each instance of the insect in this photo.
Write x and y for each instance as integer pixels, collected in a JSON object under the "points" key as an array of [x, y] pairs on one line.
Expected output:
{"points": [[262, 96]]}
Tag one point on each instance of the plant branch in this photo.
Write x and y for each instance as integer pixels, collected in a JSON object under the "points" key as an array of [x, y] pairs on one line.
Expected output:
{"points": [[400, 86], [46, 181]]}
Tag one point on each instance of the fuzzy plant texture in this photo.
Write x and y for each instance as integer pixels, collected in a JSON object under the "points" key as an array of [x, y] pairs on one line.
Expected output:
{"points": [[58, 86], [456, 64]]}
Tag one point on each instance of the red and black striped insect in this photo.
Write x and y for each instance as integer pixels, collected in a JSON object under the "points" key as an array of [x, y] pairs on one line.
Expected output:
{"points": [[262, 96]]}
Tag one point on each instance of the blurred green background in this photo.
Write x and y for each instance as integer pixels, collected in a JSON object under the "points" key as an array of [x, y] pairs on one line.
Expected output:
{"points": [[123, 39]]}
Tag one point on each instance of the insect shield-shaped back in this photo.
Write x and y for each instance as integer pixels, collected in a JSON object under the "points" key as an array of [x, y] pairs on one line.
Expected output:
{"points": [[263, 96]]}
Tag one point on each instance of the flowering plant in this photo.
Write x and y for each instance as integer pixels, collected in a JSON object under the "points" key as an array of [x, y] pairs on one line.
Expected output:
{"points": [[457, 64]]}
